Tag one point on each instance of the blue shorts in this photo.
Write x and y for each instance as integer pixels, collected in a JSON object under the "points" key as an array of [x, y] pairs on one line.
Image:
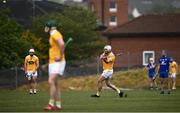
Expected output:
{"points": [[151, 76], [163, 74]]}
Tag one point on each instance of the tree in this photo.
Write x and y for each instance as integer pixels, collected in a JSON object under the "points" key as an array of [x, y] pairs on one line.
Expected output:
{"points": [[75, 22], [36, 43], [12, 47]]}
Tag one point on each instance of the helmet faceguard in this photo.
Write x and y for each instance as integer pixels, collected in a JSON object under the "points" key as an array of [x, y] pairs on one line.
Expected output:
{"points": [[107, 48], [31, 52], [151, 60]]}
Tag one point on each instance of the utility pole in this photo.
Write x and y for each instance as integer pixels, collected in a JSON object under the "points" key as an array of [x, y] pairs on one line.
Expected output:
{"points": [[102, 12], [16, 76], [33, 2]]}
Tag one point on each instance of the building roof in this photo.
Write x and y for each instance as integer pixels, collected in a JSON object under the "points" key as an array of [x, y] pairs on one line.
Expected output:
{"points": [[148, 24]]}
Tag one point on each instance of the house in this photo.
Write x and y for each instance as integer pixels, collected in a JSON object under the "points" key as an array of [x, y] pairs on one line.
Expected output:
{"points": [[145, 37], [110, 13]]}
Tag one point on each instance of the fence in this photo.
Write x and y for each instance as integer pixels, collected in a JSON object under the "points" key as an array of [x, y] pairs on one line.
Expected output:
{"points": [[14, 77], [9, 78]]}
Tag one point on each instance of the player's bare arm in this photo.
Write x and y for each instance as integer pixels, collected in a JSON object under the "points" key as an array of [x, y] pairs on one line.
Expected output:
{"points": [[103, 57], [177, 67], [157, 70], [37, 65], [25, 67]]}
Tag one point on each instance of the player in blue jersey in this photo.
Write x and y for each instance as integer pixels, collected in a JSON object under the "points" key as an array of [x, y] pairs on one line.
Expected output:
{"points": [[152, 73], [163, 70]]}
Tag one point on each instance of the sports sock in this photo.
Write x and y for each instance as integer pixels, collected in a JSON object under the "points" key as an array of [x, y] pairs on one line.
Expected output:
{"points": [[51, 102], [58, 104], [31, 91], [35, 90], [118, 90], [98, 93]]}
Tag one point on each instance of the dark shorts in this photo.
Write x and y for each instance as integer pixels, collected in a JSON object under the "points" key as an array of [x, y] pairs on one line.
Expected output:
{"points": [[163, 74], [151, 76]]}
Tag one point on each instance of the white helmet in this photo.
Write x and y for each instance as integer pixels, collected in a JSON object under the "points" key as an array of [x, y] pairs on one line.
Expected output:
{"points": [[151, 59], [31, 51], [108, 48]]}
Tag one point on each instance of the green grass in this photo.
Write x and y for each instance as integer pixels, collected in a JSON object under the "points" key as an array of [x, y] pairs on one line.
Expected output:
{"points": [[137, 100]]}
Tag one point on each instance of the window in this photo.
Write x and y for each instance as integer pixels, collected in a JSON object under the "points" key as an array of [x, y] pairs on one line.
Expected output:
{"points": [[147, 55], [113, 21], [113, 6]]}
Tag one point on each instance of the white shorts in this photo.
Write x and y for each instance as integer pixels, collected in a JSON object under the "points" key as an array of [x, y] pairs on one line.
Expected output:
{"points": [[57, 68], [107, 73], [173, 75], [30, 73]]}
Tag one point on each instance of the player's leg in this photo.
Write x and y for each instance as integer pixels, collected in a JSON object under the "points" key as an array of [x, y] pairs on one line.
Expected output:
{"points": [[174, 81], [174, 84], [162, 82], [162, 85], [51, 81], [29, 79], [34, 77], [99, 86], [57, 95], [108, 83], [151, 83], [167, 84], [53, 74], [34, 84], [170, 81], [61, 67], [30, 86], [155, 84]]}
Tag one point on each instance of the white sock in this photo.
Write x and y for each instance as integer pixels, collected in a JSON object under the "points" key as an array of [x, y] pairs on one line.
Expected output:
{"points": [[58, 104], [31, 91], [118, 91]]}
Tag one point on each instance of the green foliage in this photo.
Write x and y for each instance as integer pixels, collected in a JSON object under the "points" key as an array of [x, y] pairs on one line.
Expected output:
{"points": [[36, 43], [12, 47], [74, 22], [77, 23]]}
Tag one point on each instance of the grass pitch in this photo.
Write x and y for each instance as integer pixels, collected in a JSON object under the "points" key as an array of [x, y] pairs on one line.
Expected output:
{"points": [[80, 101]]}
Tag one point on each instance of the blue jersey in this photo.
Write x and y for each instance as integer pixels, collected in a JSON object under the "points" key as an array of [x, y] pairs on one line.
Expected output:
{"points": [[164, 64], [151, 69]]}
